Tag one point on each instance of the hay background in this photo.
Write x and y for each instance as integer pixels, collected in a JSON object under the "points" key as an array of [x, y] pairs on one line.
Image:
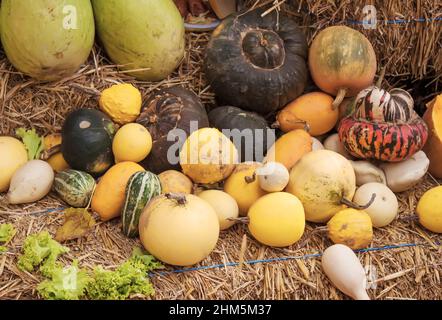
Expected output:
{"points": [[407, 273]]}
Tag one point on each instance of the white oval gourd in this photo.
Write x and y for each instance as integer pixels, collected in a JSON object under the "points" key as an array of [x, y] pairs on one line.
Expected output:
{"points": [[345, 271], [385, 207], [367, 172], [31, 182], [402, 176], [224, 205], [273, 177]]}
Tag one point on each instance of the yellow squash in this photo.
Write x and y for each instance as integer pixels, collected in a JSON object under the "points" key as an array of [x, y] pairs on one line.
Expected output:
{"points": [[122, 102], [243, 186], [290, 148], [12, 156], [352, 228], [175, 182], [277, 219], [108, 199], [132, 142], [429, 210]]}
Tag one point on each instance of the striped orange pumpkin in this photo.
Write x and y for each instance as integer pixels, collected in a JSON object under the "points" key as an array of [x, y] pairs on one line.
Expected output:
{"points": [[384, 141]]}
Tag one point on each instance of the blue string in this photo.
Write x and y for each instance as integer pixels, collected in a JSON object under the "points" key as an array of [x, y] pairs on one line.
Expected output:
{"points": [[282, 259], [398, 21], [262, 261]]}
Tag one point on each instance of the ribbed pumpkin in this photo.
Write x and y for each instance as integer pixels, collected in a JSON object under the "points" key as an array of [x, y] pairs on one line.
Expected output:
{"points": [[433, 148], [249, 125], [165, 112], [377, 104], [342, 62], [141, 189], [74, 187], [383, 127], [257, 63]]}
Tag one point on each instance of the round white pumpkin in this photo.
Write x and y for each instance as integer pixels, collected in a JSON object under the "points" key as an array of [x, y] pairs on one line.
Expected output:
{"points": [[273, 177], [385, 207]]}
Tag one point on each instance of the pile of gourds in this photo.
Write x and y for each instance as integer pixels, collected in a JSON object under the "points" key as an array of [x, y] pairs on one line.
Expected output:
{"points": [[258, 65]]}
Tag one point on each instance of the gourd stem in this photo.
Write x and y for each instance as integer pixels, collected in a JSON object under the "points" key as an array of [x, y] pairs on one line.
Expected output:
{"points": [[250, 179], [381, 77], [353, 205], [277, 125], [179, 198], [49, 153], [243, 220], [339, 98]]}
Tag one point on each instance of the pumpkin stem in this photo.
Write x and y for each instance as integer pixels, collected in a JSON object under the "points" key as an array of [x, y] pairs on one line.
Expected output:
{"points": [[250, 179], [339, 98], [381, 77], [353, 205], [178, 197]]}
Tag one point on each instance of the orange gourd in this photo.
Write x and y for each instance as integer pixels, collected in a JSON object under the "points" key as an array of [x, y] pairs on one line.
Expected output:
{"points": [[314, 109], [342, 62], [108, 199], [433, 148], [290, 148]]}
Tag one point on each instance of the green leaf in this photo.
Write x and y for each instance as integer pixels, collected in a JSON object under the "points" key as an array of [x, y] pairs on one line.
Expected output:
{"points": [[41, 249], [33, 142], [7, 232], [66, 284]]}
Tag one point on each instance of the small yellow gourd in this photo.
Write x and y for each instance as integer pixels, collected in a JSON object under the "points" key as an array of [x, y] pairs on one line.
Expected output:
{"points": [[122, 102], [132, 142], [12, 156], [277, 219], [351, 227], [173, 181], [243, 186]]}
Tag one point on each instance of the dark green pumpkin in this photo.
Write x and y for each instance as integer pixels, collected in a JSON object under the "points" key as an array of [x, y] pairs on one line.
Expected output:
{"points": [[257, 63], [87, 136], [166, 110], [252, 127]]}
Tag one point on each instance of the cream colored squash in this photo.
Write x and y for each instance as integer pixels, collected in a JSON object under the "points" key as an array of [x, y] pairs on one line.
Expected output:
{"points": [[224, 205], [324, 181], [273, 177], [385, 207]]}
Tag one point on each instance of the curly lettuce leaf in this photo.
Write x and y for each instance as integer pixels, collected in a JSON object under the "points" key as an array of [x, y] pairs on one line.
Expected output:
{"points": [[33, 142], [41, 249], [128, 279], [66, 284], [7, 232]]}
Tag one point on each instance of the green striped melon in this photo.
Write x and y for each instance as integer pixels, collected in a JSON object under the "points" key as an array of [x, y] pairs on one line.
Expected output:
{"points": [[141, 188], [74, 187]]}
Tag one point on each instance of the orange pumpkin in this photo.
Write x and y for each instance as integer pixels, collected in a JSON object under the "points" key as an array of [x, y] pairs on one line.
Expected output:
{"points": [[314, 109], [433, 148], [342, 62]]}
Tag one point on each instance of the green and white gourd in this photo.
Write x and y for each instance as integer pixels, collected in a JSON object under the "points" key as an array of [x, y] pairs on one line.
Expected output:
{"points": [[141, 189], [74, 187]]}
